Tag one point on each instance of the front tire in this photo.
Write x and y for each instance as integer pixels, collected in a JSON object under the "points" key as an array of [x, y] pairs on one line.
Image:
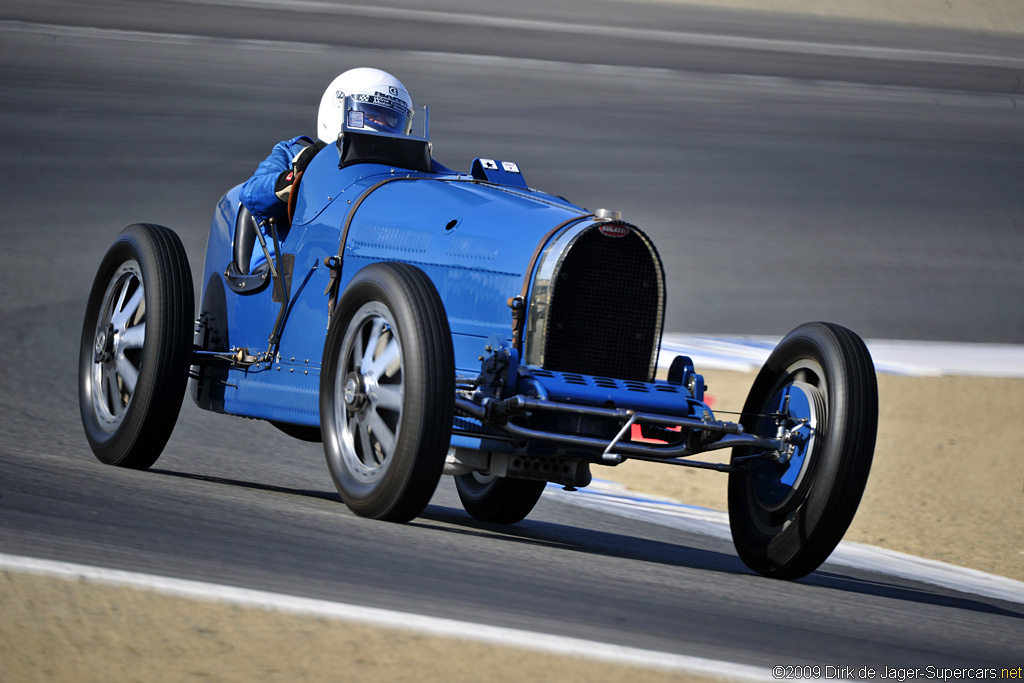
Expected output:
{"points": [[498, 499], [387, 392], [787, 517], [136, 346]]}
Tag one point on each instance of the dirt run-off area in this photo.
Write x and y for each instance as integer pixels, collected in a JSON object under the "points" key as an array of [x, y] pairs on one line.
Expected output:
{"points": [[946, 481]]}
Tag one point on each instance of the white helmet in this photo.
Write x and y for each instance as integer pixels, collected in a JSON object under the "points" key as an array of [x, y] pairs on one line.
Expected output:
{"points": [[370, 98]]}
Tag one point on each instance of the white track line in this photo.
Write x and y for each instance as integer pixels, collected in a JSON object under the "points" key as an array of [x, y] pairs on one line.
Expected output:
{"points": [[432, 626], [613, 498], [912, 358]]}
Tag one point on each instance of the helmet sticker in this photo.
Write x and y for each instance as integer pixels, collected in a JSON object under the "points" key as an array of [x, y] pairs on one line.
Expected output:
{"points": [[381, 99], [355, 119]]}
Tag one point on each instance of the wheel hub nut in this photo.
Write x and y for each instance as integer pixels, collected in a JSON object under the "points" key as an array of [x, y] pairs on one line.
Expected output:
{"points": [[103, 349], [355, 395]]}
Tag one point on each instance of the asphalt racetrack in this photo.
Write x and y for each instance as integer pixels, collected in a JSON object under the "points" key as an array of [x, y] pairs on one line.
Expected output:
{"points": [[868, 176]]}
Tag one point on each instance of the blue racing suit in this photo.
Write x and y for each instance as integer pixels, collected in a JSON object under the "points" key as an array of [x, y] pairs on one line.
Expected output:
{"points": [[258, 192]]}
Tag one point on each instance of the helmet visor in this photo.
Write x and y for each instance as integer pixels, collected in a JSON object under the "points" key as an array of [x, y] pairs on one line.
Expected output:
{"points": [[378, 111]]}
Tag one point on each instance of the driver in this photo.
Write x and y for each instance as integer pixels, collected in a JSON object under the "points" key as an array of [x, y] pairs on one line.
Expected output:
{"points": [[379, 102]]}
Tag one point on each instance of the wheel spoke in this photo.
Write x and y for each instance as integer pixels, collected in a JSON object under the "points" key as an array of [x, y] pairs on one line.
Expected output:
{"points": [[111, 392], [381, 432], [119, 306], [388, 397], [128, 373], [369, 457], [354, 360], [387, 362], [122, 316], [134, 337], [369, 352]]}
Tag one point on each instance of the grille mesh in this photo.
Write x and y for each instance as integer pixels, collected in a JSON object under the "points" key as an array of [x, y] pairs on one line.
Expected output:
{"points": [[606, 305]]}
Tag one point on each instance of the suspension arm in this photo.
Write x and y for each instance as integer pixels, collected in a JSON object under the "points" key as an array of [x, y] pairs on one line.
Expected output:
{"points": [[495, 414]]}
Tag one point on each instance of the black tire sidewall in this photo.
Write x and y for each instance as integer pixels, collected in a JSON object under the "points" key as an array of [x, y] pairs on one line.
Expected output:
{"points": [[163, 373], [841, 458], [501, 500], [429, 385]]}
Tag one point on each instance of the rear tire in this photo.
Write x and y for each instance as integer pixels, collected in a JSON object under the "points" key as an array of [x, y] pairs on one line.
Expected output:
{"points": [[787, 518], [136, 346], [498, 499]]}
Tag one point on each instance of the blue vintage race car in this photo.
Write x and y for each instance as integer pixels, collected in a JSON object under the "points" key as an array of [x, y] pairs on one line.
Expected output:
{"points": [[422, 322]]}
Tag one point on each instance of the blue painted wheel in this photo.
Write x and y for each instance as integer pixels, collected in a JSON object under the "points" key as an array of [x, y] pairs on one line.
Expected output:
{"points": [[789, 510], [798, 408]]}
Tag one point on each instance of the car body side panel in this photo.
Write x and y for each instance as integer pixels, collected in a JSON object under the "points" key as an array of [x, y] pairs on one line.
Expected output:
{"points": [[474, 240]]}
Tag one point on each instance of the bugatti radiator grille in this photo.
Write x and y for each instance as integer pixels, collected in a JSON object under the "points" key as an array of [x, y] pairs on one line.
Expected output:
{"points": [[606, 305]]}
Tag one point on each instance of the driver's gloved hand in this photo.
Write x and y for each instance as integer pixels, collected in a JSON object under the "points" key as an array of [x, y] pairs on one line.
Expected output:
{"points": [[283, 186], [301, 160]]}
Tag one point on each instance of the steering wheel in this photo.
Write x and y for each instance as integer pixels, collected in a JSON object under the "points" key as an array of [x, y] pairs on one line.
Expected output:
{"points": [[293, 195]]}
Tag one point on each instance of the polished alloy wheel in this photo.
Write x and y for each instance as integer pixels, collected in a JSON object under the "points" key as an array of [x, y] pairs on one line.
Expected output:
{"points": [[117, 350], [369, 393]]}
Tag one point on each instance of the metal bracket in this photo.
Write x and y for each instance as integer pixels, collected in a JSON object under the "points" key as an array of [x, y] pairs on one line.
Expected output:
{"points": [[333, 264], [608, 456]]}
